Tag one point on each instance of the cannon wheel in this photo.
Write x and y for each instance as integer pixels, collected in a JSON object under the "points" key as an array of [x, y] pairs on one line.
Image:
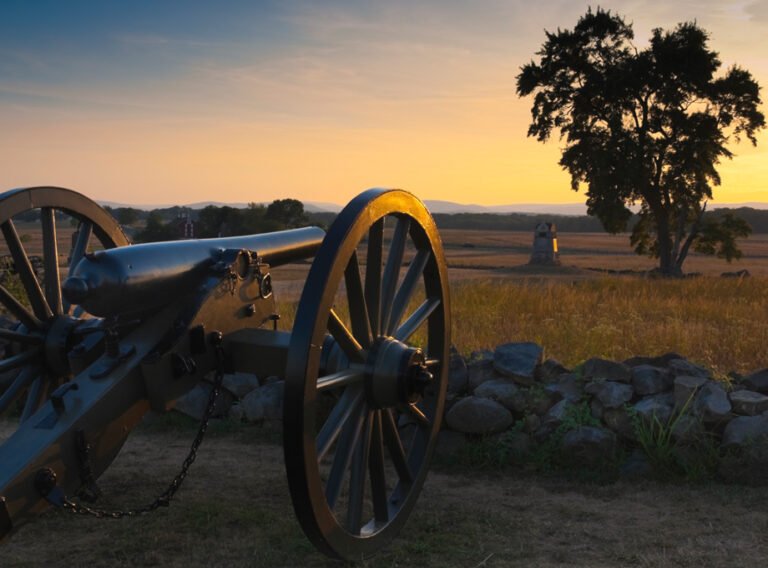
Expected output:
{"points": [[34, 346], [363, 404]]}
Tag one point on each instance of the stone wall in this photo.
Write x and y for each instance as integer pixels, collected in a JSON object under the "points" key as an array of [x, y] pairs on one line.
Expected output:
{"points": [[597, 412], [603, 409]]}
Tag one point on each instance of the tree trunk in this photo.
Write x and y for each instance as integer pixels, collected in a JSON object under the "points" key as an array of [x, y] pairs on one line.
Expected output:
{"points": [[666, 264], [678, 267]]}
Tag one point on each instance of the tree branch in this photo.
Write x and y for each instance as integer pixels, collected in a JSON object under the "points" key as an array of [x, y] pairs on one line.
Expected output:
{"points": [[691, 236]]}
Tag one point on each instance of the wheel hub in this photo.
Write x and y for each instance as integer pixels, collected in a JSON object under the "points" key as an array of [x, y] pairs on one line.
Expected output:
{"points": [[395, 373]]}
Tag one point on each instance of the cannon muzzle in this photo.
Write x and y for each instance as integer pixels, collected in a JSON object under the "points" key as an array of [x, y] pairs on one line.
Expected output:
{"points": [[143, 277]]}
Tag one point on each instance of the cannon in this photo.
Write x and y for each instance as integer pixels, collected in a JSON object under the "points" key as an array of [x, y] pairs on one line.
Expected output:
{"points": [[118, 330]]}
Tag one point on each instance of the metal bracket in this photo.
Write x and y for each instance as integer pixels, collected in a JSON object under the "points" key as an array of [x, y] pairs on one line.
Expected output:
{"points": [[107, 364]]}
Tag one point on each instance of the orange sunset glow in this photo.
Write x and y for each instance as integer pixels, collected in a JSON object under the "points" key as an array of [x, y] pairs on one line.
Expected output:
{"points": [[259, 101]]}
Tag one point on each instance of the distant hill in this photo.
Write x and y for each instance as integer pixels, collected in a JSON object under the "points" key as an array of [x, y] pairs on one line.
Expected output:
{"points": [[437, 206], [310, 206], [449, 215]]}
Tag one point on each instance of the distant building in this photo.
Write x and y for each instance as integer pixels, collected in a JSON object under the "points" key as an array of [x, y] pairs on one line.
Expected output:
{"points": [[187, 227], [545, 245]]}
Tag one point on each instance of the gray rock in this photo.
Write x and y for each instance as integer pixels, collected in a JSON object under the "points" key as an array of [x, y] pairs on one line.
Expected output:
{"points": [[240, 384], [552, 419], [757, 381], [610, 393], [480, 369], [659, 405], [477, 415], [236, 413], [596, 409], [531, 423], [712, 404], [680, 367], [518, 444], [744, 431], [194, 402], [550, 370], [541, 400], [589, 445], [520, 401], [618, 420], [688, 428], [458, 375], [647, 379], [265, 403], [518, 360], [686, 388], [503, 391], [660, 361], [596, 368], [566, 387], [747, 402]]}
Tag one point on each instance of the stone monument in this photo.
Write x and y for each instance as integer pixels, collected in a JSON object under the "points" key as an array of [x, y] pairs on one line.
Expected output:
{"points": [[545, 245]]}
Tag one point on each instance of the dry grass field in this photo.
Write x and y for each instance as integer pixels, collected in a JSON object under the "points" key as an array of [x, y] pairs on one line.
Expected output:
{"points": [[581, 309], [235, 511]]}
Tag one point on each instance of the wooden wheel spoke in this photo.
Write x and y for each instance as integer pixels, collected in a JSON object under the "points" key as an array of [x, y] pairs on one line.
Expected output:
{"points": [[422, 313], [392, 269], [339, 379], [81, 245], [51, 259], [19, 337], [373, 274], [21, 382], [78, 251], [344, 450], [376, 468], [395, 447], [18, 360], [13, 306], [25, 271], [413, 411], [357, 477], [358, 310], [349, 345], [405, 292], [348, 405]]}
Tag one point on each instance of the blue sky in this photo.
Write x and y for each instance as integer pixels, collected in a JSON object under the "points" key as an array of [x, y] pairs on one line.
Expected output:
{"points": [[252, 101]]}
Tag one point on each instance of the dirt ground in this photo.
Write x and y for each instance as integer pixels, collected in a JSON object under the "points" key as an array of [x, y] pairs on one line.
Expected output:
{"points": [[234, 510]]}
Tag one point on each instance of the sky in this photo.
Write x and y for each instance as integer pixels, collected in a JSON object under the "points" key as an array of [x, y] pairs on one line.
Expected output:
{"points": [[240, 101]]}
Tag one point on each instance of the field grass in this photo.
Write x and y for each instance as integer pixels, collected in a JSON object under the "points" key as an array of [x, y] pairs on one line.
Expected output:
{"points": [[721, 323], [718, 322]]}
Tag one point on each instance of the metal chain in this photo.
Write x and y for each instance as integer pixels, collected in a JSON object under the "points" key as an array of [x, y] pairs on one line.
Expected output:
{"points": [[164, 499]]}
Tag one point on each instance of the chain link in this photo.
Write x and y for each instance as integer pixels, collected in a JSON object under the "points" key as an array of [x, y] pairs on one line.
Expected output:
{"points": [[164, 499]]}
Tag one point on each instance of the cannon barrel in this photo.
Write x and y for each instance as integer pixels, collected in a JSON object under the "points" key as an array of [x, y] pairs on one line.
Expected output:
{"points": [[145, 276]]}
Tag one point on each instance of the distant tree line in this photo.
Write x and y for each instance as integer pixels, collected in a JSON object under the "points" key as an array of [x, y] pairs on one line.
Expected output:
{"points": [[213, 221], [756, 218]]}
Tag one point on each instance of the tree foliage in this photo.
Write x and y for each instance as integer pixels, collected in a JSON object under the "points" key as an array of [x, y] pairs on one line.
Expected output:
{"points": [[644, 126], [225, 221]]}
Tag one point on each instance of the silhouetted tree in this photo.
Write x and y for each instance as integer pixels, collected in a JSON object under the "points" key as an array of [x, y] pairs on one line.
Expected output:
{"points": [[290, 212], [157, 230], [126, 215], [644, 126]]}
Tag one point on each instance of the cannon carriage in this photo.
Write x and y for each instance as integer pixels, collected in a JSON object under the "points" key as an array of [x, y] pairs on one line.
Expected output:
{"points": [[128, 328]]}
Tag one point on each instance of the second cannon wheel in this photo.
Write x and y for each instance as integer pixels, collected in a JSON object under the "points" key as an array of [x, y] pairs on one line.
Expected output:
{"points": [[366, 374]]}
